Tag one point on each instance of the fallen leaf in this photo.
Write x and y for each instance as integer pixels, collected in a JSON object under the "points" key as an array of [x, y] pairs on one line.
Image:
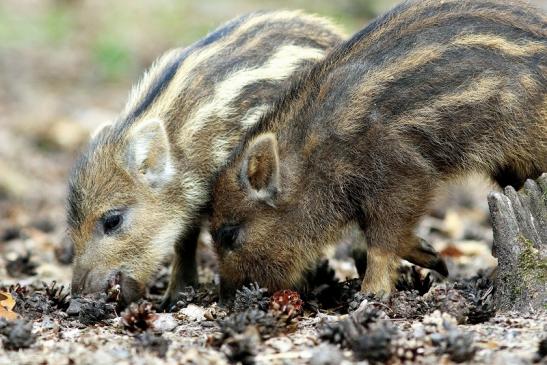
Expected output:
{"points": [[6, 305], [7, 301], [9, 315], [451, 251], [492, 345]]}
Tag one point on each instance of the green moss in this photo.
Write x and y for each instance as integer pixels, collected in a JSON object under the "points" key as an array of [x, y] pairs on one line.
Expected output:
{"points": [[516, 288], [531, 266], [531, 269]]}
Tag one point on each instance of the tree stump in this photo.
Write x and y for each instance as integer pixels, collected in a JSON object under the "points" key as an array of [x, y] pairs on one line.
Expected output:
{"points": [[519, 221]]}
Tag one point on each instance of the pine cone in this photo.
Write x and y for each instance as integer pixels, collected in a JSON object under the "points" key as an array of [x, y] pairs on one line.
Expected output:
{"points": [[57, 295], [410, 278], [138, 317], [286, 302], [375, 344], [408, 305], [237, 323], [350, 331], [252, 296], [479, 291], [447, 299]]}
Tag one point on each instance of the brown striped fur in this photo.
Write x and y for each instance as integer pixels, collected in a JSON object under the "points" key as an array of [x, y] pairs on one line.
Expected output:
{"points": [[430, 91], [139, 189]]}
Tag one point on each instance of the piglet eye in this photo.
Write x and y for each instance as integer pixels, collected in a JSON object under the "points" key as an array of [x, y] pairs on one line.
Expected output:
{"points": [[112, 222], [226, 236]]}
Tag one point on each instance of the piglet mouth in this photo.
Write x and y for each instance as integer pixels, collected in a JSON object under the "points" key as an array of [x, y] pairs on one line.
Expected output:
{"points": [[123, 289], [114, 288]]}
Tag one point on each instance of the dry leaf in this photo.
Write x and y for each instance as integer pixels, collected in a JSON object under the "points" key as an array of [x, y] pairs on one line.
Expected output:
{"points": [[7, 301], [6, 305], [9, 315], [451, 251]]}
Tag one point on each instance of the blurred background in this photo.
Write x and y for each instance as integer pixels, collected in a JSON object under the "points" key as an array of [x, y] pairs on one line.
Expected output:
{"points": [[66, 66]]}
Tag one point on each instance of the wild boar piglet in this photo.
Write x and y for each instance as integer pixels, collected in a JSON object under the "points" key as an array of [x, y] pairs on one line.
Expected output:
{"points": [[428, 92], [138, 191]]}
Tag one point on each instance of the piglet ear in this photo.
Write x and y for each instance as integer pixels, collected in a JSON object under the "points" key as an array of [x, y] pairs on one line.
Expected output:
{"points": [[148, 154], [260, 168]]}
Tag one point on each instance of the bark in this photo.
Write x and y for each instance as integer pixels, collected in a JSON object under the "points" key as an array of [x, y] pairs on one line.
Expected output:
{"points": [[519, 221]]}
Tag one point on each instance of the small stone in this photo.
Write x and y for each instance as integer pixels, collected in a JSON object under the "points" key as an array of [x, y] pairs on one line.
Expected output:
{"points": [[241, 348], [47, 323], [74, 307], [165, 322], [326, 354], [16, 334], [504, 358], [460, 346], [95, 310], [419, 330], [153, 342], [194, 313], [281, 344]]}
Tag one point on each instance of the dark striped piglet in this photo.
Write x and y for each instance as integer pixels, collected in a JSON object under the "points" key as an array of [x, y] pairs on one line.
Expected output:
{"points": [[429, 92]]}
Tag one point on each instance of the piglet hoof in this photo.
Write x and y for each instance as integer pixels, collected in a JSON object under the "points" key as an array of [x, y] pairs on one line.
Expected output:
{"points": [[168, 303], [439, 266], [424, 255], [379, 291]]}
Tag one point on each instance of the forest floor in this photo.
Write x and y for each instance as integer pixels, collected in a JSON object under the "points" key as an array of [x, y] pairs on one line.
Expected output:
{"points": [[57, 84], [427, 321]]}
